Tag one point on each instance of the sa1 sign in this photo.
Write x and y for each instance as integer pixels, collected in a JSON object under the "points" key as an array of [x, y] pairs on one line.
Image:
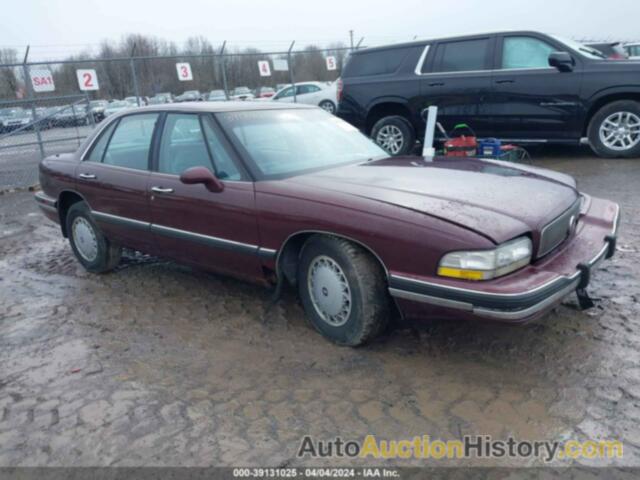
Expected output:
{"points": [[331, 63], [42, 80], [87, 79], [265, 69], [184, 72]]}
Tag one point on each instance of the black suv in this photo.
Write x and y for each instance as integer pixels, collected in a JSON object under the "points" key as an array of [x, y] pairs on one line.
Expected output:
{"points": [[522, 87]]}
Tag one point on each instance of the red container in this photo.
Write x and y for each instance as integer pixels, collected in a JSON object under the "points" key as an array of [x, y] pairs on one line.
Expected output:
{"points": [[462, 145]]}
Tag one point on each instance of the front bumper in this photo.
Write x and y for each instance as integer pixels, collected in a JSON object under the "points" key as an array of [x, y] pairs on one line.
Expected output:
{"points": [[551, 281]]}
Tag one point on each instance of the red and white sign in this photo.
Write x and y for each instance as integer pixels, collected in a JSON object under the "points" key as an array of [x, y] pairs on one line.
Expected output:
{"points": [[265, 69], [331, 63], [42, 80], [184, 72], [87, 79]]}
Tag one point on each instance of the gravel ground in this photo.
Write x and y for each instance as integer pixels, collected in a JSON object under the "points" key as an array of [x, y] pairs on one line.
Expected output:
{"points": [[158, 364]]}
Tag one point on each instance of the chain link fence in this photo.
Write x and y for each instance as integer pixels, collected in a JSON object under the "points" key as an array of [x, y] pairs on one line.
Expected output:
{"points": [[49, 107]]}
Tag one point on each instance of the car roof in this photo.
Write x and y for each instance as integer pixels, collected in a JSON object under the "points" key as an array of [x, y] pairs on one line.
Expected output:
{"points": [[422, 42], [219, 107]]}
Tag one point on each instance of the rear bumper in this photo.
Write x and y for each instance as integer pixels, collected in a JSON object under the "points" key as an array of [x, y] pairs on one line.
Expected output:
{"points": [[48, 205], [516, 304]]}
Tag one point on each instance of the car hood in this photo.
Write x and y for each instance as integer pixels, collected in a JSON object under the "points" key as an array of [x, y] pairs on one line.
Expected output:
{"points": [[495, 199]]}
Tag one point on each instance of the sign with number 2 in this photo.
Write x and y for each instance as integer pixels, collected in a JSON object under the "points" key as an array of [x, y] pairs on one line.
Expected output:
{"points": [[87, 79], [184, 72]]}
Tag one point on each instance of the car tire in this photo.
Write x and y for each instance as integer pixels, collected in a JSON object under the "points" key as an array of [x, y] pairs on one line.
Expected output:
{"points": [[395, 134], [92, 249], [603, 130], [328, 106], [343, 290]]}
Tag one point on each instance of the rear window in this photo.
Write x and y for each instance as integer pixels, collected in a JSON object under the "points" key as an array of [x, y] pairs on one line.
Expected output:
{"points": [[378, 62]]}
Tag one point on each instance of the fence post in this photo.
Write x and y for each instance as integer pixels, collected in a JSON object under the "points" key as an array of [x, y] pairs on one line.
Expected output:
{"points": [[290, 64], [31, 96], [133, 74], [223, 65]]}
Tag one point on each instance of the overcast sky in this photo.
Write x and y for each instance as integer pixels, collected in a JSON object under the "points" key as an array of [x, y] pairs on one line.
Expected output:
{"points": [[57, 27]]}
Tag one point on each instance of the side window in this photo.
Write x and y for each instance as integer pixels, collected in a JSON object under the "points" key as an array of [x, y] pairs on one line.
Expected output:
{"points": [[302, 89], [375, 63], [182, 145], [226, 168], [130, 143], [525, 52], [97, 152], [463, 56]]}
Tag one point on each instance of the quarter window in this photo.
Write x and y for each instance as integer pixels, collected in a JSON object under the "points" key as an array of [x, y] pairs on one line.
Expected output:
{"points": [[466, 55], [525, 52], [376, 62], [130, 143], [302, 89], [182, 145], [97, 152]]}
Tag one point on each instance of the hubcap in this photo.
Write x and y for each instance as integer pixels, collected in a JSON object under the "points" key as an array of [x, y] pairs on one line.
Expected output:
{"points": [[328, 106], [390, 138], [329, 290], [620, 131], [84, 239]]}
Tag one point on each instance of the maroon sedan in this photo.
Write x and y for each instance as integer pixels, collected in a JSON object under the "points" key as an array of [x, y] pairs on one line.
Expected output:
{"points": [[285, 193]]}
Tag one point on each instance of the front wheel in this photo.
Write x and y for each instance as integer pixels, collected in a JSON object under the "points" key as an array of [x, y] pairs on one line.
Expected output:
{"points": [[614, 131], [328, 105], [394, 134], [343, 290], [92, 249]]}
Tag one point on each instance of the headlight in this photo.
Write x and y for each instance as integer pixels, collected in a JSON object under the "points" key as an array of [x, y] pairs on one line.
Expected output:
{"points": [[487, 264]]}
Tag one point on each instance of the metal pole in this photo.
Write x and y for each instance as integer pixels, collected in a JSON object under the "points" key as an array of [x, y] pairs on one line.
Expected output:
{"points": [[351, 39], [31, 96], [290, 65], [133, 74], [359, 42], [427, 146], [223, 64]]}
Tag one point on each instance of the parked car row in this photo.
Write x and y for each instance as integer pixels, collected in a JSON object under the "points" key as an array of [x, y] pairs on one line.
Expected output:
{"points": [[522, 87]]}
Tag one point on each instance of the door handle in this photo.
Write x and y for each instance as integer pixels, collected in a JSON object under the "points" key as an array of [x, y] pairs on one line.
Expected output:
{"points": [[437, 84], [87, 176], [161, 190], [505, 81]]}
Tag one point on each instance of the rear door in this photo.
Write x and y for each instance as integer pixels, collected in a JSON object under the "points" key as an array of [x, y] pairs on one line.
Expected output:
{"points": [[456, 77], [190, 223], [530, 99], [113, 177]]}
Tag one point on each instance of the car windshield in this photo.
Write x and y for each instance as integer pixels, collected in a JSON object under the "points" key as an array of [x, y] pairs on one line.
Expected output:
{"points": [[583, 50], [283, 143]]}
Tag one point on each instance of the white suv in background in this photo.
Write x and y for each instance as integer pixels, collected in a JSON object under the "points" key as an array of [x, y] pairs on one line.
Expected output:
{"points": [[322, 94], [633, 49]]}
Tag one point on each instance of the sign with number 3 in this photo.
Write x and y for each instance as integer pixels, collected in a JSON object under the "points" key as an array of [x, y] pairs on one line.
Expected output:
{"points": [[184, 72], [87, 79]]}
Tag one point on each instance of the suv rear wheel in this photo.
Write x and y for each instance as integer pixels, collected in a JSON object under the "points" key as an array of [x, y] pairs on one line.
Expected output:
{"points": [[614, 131], [395, 134]]}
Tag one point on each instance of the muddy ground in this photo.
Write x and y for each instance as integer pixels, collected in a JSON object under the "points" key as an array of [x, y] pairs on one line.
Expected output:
{"points": [[158, 364]]}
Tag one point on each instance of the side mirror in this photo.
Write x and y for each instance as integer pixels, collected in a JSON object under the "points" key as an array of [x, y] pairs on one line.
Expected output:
{"points": [[194, 175], [562, 61]]}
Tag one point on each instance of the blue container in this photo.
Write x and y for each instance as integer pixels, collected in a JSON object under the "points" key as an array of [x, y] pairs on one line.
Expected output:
{"points": [[489, 147]]}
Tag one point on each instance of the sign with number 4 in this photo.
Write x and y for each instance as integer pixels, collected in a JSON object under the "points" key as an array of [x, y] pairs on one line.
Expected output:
{"points": [[331, 63], [265, 69], [87, 79], [184, 72]]}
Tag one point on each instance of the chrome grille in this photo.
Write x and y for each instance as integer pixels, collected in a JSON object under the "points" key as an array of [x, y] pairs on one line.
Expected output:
{"points": [[555, 232]]}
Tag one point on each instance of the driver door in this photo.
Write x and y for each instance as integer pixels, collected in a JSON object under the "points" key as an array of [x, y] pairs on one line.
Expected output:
{"points": [[217, 231]]}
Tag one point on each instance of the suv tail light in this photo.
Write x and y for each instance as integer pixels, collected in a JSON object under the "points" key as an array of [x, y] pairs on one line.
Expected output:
{"points": [[339, 89]]}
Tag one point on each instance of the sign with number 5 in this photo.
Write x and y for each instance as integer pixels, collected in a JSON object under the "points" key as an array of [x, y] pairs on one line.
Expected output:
{"points": [[184, 72], [331, 63], [87, 79]]}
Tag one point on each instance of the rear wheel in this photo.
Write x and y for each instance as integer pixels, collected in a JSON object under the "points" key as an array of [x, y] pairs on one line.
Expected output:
{"points": [[614, 131], [92, 249], [343, 290], [328, 105], [394, 134]]}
